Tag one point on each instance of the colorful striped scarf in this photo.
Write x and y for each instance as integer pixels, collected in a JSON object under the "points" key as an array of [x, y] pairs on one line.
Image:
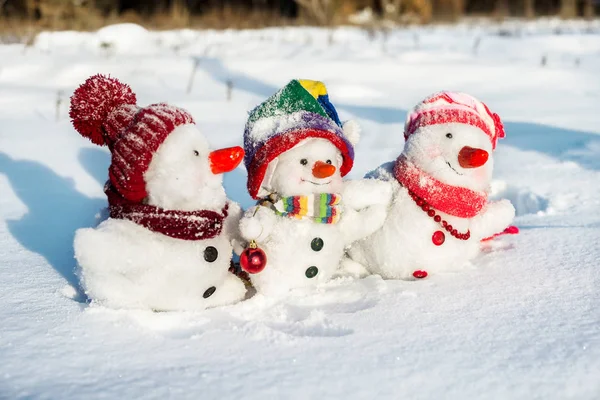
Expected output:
{"points": [[321, 208]]}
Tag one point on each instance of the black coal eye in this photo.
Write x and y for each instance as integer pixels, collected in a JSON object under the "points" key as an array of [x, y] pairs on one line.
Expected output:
{"points": [[211, 254], [209, 292], [449, 135], [304, 161], [328, 161], [196, 153]]}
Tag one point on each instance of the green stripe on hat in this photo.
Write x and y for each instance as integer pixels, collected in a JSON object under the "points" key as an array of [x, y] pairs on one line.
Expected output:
{"points": [[290, 99]]}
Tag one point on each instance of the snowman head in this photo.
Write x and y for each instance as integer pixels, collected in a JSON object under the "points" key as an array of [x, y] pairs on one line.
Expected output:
{"points": [[186, 175], [312, 166], [158, 154], [295, 143], [451, 136]]}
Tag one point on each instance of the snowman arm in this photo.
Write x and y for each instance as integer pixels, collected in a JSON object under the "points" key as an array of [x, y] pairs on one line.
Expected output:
{"points": [[232, 221], [362, 193], [355, 225], [231, 225], [495, 217], [257, 223], [351, 267]]}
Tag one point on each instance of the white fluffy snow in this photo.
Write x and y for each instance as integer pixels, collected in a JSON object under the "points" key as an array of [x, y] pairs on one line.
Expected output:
{"points": [[523, 323]]}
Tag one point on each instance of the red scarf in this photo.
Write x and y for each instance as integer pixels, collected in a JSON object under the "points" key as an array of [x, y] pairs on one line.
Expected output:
{"points": [[185, 225], [453, 200]]}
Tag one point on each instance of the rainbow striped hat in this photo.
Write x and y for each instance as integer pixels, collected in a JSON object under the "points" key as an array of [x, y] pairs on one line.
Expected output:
{"points": [[298, 111]]}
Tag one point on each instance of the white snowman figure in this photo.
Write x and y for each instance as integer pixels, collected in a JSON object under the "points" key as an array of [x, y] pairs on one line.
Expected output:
{"points": [[440, 210], [296, 155], [167, 244]]}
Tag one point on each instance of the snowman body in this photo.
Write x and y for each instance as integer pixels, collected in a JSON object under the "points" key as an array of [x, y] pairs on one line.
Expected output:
{"points": [[447, 157], [404, 244], [301, 252], [126, 265]]}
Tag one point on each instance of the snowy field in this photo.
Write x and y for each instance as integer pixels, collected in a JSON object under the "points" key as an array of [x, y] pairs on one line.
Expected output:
{"points": [[522, 323]]}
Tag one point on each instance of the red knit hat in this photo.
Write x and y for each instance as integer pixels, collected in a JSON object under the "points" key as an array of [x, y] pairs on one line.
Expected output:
{"points": [[104, 110], [455, 107]]}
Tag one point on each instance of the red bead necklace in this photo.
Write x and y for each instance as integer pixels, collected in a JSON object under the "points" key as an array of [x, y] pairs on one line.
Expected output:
{"points": [[438, 237]]}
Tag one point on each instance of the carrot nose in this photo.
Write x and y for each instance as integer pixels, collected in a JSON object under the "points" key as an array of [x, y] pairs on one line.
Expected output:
{"points": [[225, 160], [468, 157], [322, 170]]}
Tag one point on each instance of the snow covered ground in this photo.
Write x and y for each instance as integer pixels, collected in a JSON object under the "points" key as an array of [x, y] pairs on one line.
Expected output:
{"points": [[523, 323]]}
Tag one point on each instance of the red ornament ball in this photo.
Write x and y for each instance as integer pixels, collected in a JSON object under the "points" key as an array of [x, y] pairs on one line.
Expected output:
{"points": [[253, 260], [438, 238]]}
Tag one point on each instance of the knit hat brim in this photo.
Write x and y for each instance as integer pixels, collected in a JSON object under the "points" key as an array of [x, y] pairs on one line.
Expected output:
{"points": [[454, 107], [285, 141], [132, 153], [298, 111]]}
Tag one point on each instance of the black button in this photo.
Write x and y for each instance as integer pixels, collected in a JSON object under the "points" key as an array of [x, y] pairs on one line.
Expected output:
{"points": [[209, 292], [316, 244], [211, 254], [311, 272]]}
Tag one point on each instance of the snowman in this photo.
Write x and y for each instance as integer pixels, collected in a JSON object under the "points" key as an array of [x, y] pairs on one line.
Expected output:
{"points": [[440, 210], [296, 155], [167, 243]]}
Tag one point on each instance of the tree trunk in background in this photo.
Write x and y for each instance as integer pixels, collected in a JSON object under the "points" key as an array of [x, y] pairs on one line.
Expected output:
{"points": [[423, 8], [588, 9], [391, 9], [323, 11], [179, 13], [529, 8], [458, 9], [568, 8], [501, 8]]}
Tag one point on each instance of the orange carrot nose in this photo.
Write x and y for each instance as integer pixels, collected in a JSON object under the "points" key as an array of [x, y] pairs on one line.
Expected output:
{"points": [[225, 160], [322, 170], [468, 157]]}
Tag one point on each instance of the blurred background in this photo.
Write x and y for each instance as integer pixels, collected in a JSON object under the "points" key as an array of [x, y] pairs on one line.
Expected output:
{"points": [[21, 17]]}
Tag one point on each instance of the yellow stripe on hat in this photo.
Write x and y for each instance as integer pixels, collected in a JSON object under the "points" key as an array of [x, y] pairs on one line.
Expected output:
{"points": [[315, 88]]}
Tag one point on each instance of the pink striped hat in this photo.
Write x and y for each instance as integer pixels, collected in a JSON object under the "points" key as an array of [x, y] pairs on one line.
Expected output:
{"points": [[454, 107]]}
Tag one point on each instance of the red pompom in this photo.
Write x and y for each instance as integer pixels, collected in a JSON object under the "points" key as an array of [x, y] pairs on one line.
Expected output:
{"points": [[93, 101]]}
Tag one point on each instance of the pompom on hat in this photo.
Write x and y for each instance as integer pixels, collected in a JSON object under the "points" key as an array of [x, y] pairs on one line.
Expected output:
{"points": [[300, 110], [104, 110], [454, 107]]}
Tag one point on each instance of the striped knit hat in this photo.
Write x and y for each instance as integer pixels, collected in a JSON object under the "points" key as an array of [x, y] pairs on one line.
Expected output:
{"points": [[453, 107], [298, 111], [104, 110]]}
